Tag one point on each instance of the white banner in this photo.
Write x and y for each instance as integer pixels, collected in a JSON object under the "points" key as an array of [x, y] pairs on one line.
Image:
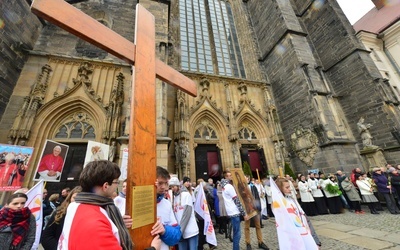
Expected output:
{"points": [[34, 202], [291, 223], [201, 207]]}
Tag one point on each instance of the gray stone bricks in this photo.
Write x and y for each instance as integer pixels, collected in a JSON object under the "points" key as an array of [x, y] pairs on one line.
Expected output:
{"points": [[19, 29], [319, 35]]}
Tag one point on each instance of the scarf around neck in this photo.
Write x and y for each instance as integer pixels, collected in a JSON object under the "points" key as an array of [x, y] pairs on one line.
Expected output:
{"points": [[112, 211], [17, 220]]}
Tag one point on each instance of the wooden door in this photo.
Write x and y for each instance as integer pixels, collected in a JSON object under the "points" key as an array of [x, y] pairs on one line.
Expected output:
{"points": [[208, 163]]}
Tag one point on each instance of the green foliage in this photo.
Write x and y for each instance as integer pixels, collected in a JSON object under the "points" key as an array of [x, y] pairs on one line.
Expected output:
{"points": [[333, 189], [289, 171], [246, 169]]}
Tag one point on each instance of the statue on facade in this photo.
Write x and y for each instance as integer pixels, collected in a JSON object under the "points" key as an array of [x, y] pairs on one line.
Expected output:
{"points": [[278, 154], [187, 152], [365, 134], [235, 152], [177, 153], [184, 152], [111, 152]]}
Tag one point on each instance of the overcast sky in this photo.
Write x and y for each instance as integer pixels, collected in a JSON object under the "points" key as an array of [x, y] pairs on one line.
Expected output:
{"points": [[355, 9]]}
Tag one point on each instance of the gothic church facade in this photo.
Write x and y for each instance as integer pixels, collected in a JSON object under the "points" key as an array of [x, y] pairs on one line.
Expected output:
{"points": [[279, 82]]}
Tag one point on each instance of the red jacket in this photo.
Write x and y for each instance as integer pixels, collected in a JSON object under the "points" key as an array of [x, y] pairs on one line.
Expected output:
{"points": [[88, 227]]}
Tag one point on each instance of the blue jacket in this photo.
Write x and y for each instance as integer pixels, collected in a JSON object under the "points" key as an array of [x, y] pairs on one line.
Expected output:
{"points": [[216, 202], [381, 182], [172, 235]]}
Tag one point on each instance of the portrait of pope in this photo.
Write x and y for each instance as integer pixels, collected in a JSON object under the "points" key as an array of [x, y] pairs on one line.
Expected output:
{"points": [[52, 163]]}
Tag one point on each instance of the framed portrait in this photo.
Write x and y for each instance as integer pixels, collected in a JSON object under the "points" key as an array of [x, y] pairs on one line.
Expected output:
{"points": [[243, 191], [51, 163], [14, 162], [96, 151]]}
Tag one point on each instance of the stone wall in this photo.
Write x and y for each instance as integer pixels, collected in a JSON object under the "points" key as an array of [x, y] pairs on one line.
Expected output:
{"points": [[290, 60], [352, 73], [19, 29], [118, 16], [318, 34]]}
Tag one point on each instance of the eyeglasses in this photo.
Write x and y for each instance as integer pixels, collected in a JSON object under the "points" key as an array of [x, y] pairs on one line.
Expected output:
{"points": [[115, 182], [162, 183]]}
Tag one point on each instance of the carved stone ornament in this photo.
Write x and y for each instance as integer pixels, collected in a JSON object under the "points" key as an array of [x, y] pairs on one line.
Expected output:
{"points": [[305, 145]]}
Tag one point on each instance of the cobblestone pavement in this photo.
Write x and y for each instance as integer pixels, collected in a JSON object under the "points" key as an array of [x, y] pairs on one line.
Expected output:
{"points": [[346, 231]]}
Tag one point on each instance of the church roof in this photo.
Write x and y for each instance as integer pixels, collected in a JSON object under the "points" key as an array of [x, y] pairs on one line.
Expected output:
{"points": [[376, 21]]}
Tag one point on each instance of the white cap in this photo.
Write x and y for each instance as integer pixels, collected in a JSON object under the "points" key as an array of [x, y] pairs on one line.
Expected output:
{"points": [[174, 181]]}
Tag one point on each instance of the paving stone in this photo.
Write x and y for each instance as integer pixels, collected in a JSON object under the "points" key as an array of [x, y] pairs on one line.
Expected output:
{"points": [[394, 248], [334, 234], [372, 233], [395, 238], [368, 243], [320, 223], [339, 227]]}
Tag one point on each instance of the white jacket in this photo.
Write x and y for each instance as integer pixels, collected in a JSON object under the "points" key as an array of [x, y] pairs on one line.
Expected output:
{"points": [[365, 187], [316, 192], [305, 192]]}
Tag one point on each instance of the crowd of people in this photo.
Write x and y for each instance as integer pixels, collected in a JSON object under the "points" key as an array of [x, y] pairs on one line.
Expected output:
{"points": [[319, 195], [69, 218]]}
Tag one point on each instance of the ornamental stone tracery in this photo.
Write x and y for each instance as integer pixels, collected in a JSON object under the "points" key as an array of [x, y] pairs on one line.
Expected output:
{"points": [[77, 126]]}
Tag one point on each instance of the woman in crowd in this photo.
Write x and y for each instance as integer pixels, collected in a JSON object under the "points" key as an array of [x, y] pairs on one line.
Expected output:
{"points": [[53, 201], [17, 224], [394, 177], [51, 233], [385, 188], [220, 210], [332, 193], [307, 200], [268, 193], [316, 191], [284, 186], [353, 195], [367, 192], [261, 190]]}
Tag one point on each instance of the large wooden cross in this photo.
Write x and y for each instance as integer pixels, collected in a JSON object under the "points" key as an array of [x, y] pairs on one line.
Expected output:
{"points": [[142, 133]]}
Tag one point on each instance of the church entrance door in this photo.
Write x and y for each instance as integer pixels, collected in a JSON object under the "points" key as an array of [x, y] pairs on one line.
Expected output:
{"points": [[256, 159], [208, 162]]}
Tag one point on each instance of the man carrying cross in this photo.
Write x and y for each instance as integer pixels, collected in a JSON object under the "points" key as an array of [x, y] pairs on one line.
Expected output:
{"points": [[94, 215]]}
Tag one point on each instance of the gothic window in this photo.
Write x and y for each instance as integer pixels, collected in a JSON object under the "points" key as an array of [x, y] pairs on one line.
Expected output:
{"points": [[205, 132], [246, 134], [76, 127], [198, 36]]}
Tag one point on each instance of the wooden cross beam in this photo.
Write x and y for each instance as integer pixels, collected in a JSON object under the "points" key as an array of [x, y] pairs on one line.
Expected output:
{"points": [[142, 134]]}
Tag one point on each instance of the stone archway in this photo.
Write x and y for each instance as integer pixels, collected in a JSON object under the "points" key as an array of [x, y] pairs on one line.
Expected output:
{"points": [[57, 113], [209, 137]]}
